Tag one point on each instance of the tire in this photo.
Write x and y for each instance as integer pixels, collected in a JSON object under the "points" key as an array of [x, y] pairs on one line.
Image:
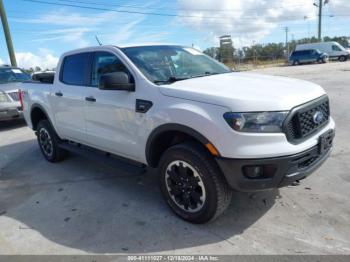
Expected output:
{"points": [[49, 142], [210, 194], [296, 62], [342, 58]]}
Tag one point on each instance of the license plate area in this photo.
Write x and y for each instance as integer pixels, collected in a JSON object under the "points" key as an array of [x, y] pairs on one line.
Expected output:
{"points": [[325, 141]]}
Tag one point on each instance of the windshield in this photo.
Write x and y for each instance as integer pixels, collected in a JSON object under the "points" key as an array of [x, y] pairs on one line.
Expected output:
{"points": [[166, 64], [8, 75]]}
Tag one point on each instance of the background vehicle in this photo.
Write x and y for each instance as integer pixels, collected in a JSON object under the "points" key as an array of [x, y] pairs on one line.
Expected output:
{"points": [[333, 49], [10, 106], [206, 129], [307, 56]]}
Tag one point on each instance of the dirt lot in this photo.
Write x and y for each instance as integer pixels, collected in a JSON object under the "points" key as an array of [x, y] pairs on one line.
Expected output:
{"points": [[79, 206]]}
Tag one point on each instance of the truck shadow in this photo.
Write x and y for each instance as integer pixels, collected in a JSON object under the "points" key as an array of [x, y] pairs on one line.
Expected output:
{"points": [[8, 125], [96, 208]]}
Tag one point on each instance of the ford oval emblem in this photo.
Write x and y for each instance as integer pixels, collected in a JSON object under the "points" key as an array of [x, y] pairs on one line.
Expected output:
{"points": [[318, 117]]}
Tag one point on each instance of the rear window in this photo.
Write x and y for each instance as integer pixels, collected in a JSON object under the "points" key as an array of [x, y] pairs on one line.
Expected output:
{"points": [[74, 69], [303, 52]]}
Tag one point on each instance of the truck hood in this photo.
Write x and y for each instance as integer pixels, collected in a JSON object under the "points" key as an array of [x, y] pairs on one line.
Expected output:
{"points": [[244, 92]]}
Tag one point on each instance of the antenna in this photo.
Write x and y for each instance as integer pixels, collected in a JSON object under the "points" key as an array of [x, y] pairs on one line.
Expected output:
{"points": [[98, 40]]}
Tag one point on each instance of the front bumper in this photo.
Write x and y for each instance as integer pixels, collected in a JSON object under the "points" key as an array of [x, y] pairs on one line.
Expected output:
{"points": [[9, 113], [277, 171]]}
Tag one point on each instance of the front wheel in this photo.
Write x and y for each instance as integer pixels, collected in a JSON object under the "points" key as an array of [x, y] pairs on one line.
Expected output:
{"points": [[192, 183]]}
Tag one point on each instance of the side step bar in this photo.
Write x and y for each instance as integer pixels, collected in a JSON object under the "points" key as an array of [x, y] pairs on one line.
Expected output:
{"points": [[123, 164]]}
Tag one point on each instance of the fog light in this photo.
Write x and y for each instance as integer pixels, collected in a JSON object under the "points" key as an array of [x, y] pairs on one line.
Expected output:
{"points": [[253, 171], [259, 171]]}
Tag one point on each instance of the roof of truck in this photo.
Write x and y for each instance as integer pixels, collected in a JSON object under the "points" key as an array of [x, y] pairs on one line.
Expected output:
{"points": [[146, 44], [98, 47]]}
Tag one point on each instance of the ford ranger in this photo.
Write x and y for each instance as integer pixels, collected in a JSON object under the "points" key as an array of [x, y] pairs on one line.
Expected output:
{"points": [[207, 129]]}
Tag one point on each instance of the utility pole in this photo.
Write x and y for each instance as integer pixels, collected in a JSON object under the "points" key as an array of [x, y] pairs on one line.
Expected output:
{"points": [[7, 33], [320, 7], [286, 29]]}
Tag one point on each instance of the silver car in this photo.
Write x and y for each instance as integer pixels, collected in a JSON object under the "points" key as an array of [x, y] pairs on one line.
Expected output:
{"points": [[10, 106]]}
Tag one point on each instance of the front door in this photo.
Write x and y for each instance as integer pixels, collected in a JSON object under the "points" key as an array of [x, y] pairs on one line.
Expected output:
{"points": [[110, 116], [336, 51]]}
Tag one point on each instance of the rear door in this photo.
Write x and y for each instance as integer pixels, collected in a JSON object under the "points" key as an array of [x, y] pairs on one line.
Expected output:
{"points": [[68, 96], [306, 56], [110, 117]]}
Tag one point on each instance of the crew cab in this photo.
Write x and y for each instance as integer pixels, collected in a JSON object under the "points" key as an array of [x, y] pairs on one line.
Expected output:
{"points": [[206, 129]]}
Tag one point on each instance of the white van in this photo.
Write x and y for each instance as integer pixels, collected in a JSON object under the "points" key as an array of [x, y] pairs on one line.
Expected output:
{"points": [[333, 49]]}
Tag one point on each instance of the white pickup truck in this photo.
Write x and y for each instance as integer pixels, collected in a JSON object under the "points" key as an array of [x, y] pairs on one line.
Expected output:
{"points": [[208, 130]]}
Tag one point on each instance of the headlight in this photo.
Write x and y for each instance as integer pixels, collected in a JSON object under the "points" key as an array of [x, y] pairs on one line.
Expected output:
{"points": [[3, 97], [259, 122]]}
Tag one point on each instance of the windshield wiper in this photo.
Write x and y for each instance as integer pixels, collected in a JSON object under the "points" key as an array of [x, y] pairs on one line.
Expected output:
{"points": [[208, 74], [171, 79], [211, 73]]}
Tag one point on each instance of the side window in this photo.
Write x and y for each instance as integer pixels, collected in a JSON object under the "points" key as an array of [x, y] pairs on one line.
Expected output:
{"points": [[105, 63], [74, 69], [335, 48]]}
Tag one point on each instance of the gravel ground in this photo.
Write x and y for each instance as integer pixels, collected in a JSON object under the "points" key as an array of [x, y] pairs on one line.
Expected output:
{"points": [[80, 207]]}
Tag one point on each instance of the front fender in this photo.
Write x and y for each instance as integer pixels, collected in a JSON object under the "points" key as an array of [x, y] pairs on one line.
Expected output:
{"points": [[199, 120]]}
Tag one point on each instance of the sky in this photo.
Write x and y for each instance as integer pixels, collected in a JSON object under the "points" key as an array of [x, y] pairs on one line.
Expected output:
{"points": [[43, 29]]}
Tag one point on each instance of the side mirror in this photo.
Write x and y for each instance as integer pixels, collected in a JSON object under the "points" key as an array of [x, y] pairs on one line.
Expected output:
{"points": [[116, 81]]}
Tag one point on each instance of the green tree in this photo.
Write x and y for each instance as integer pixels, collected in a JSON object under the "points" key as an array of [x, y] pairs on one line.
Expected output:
{"points": [[213, 52]]}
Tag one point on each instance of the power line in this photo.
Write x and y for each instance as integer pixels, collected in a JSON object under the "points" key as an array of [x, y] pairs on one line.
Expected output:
{"points": [[118, 11], [142, 13], [181, 9], [31, 13]]}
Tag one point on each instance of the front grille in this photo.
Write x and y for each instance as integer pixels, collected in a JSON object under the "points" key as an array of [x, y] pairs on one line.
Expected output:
{"points": [[300, 123], [14, 96]]}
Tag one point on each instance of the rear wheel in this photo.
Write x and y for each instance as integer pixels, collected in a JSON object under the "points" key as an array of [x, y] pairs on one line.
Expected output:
{"points": [[192, 183], [342, 58], [49, 142]]}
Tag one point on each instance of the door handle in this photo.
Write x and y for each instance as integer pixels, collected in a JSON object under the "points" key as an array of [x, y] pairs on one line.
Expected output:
{"points": [[90, 99], [59, 93]]}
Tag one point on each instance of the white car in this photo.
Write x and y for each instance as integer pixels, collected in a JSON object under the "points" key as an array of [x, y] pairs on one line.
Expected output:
{"points": [[208, 130], [333, 49]]}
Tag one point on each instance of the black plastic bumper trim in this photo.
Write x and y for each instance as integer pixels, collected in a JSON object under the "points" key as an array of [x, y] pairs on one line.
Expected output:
{"points": [[289, 169]]}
